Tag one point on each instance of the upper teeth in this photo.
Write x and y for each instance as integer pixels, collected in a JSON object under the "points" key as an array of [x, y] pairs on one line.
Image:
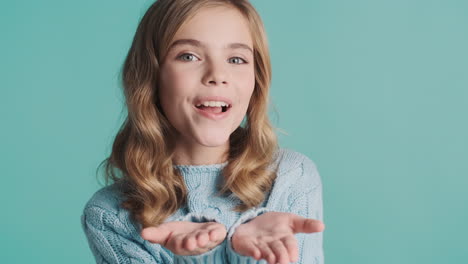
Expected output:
{"points": [[213, 103]]}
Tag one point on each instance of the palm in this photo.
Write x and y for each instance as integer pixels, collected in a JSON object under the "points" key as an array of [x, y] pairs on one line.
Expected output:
{"points": [[186, 238], [270, 236]]}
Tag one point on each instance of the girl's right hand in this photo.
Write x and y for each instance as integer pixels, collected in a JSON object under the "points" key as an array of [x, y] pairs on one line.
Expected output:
{"points": [[186, 238]]}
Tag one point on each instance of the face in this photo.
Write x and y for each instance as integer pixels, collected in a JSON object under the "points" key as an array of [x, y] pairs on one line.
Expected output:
{"points": [[210, 61]]}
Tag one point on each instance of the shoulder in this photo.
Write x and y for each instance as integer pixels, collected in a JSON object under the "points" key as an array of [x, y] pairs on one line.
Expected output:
{"points": [[107, 198], [293, 166], [288, 159]]}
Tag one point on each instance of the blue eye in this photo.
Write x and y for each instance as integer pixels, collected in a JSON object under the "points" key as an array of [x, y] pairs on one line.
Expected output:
{"points": [[188, 56], [240, 59], [191, 57]]}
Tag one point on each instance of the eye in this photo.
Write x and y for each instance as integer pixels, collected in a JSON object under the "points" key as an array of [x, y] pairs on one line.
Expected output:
{"points": [[187, 57], [239, 58]]}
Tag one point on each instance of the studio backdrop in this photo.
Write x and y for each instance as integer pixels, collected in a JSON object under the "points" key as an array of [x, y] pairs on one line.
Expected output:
{"points": [[374, 92]]}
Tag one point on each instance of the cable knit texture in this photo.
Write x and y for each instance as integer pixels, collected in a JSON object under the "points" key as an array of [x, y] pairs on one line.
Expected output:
{"points": [[114, 238]]}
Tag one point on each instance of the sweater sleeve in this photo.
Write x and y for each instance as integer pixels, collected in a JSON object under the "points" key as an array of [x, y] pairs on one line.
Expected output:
{"points": [[306, 201], [112, 243]]}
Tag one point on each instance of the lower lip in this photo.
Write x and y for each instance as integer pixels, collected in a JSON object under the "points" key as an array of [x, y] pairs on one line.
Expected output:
{"points": [[214, 116]]}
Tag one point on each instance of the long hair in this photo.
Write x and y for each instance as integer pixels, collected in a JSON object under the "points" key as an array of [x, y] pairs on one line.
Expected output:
{"points": [[142, 152]]}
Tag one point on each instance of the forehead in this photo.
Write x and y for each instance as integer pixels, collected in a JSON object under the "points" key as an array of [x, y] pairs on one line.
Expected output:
{"points": [[216, 26]]}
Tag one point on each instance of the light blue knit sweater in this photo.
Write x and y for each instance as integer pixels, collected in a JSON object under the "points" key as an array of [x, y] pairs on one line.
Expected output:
{"points": [[114, 238]]}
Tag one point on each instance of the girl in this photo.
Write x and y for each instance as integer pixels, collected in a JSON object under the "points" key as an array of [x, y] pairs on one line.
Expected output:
{"points": [[197, 174]]}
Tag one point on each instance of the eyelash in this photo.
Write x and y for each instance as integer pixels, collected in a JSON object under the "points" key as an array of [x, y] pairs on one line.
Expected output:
{"points": [[178, 57]]}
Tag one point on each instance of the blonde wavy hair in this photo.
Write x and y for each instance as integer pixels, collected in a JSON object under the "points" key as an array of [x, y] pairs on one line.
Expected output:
{"points": [[142, 152]]}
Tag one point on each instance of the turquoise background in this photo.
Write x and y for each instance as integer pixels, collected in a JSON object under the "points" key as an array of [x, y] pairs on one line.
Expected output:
{"points": [[375, 92]]}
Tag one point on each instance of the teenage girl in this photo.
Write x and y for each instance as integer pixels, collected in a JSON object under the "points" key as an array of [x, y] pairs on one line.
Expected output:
{"points": [[197, 174]]}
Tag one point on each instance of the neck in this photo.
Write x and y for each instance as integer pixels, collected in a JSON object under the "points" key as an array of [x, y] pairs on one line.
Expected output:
{"points": [[200, 155]]}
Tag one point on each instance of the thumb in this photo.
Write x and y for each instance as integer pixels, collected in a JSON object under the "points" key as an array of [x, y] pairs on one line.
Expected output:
{"points": [[156, 235], [306, 225]]}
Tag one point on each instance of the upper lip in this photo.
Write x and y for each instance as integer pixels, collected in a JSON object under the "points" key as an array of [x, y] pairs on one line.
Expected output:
{"points": [[201, 100]]}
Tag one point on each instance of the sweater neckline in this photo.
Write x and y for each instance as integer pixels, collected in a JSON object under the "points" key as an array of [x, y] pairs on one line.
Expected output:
{"points": [[201, 168]]}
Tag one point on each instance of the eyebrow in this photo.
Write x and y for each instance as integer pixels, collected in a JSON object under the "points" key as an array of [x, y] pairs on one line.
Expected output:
{"points": [[196, 43]]}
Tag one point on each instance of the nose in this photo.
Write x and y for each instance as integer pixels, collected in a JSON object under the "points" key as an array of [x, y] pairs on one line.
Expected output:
{"points": [[216, 74]]}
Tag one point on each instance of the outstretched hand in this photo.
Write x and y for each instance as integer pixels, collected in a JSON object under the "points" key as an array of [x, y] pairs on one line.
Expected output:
{"points": [[270, 236], [186, 238]]}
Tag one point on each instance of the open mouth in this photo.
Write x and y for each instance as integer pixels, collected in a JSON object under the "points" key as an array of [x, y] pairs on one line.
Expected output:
{"points": [[214, 109]]}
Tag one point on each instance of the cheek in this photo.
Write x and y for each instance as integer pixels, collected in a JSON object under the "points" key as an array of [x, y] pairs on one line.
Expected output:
{"points": [[247, 86], [174, 85]]}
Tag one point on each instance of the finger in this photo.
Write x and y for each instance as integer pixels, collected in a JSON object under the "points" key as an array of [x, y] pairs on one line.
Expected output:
{"points": [[280, 251], [189, 242], [217, 234], [306, 225], [290, 243], [175, 244], [202, 239], [157, 235], [267, 253], [255, 252], [249, 248]]}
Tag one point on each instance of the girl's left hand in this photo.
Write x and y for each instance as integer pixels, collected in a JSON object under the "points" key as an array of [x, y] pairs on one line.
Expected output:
{"points": [[270, 236]]}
